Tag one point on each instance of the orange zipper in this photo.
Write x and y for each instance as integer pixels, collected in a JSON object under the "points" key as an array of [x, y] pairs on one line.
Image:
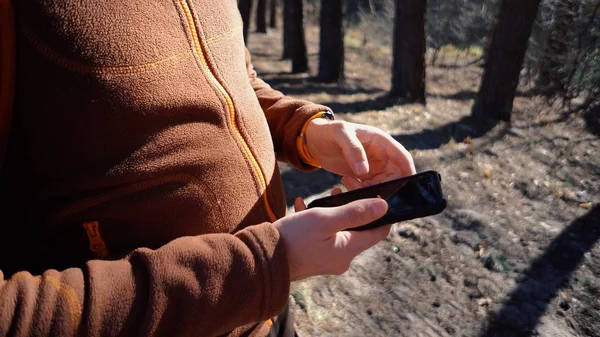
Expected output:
{"points": [[199, 49]]}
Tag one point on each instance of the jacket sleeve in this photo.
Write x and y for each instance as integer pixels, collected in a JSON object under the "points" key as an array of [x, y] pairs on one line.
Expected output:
{"points": [[203, 285], [285, 115]]}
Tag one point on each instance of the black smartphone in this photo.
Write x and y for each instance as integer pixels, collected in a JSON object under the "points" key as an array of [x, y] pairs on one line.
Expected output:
{"points": [[411, 197]]}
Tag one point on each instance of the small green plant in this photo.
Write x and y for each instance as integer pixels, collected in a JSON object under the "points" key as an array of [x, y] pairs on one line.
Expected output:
{"points": [[300, 300], [495, 262]]}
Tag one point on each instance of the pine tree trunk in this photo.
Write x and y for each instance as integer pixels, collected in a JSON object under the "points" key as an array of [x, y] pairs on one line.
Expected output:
{"points": [[504, 59], [287, 29], [294, 44], [273, 13], [331, 45], [408, 70], [245, 7], [261, 16]]}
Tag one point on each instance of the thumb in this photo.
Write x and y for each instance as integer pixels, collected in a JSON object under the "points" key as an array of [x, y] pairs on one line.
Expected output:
{"points": [[354, 152], [299, 204], [354, 214]]}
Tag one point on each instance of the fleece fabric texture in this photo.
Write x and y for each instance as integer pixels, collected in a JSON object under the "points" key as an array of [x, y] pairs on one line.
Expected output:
{"points": [[148, 117]]}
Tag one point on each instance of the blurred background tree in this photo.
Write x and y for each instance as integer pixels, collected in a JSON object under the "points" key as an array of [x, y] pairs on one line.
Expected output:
{"points": [[331, 42], [549, 47], [261, 16], [408, 69], [245, 7], [294, 43], [504, 58], [273, 8]]}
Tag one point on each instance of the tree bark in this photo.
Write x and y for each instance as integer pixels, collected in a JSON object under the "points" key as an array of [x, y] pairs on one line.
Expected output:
{"points": [[287, 30], [504, 59], [245, 7], [261, 16], [294, 44], [273, 13], [408, 70], [331, 44]]}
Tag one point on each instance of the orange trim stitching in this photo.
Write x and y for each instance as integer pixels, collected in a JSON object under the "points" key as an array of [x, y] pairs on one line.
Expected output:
{"points": [[81, 68], [235, 30], [119, 192], [72, 299], [200, 47], [64, 289]]}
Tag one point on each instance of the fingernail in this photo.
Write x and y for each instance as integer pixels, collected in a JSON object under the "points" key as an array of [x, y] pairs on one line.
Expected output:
{"points": [[360, 168], [378, 208]]}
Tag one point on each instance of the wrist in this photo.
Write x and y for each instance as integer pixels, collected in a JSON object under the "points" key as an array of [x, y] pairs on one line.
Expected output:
{"points": [[312, 123], [313, 130]]}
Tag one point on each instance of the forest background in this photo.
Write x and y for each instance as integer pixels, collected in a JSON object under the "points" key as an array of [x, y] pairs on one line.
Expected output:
{"points": [[502, 98]]}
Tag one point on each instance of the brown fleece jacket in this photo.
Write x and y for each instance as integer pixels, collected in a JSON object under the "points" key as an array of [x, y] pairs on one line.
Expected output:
{"points": [[147, 117]]}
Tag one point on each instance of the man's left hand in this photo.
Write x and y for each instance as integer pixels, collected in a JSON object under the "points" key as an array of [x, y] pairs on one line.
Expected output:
{"points": [[363, 155]]}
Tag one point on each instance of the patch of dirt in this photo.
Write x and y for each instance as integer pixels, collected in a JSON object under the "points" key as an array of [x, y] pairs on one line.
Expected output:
{"points": [[515, 253]]}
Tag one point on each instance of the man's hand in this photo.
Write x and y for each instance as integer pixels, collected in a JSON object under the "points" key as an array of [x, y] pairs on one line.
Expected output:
{"points": [[363, 155], [316, 240]]}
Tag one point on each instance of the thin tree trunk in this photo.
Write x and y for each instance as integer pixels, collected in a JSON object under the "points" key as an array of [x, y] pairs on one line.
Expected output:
{"points": [[273, 13], [261, 16], [436, 52], [331, 45], [408, 70], [245, 7], [504, 59]]}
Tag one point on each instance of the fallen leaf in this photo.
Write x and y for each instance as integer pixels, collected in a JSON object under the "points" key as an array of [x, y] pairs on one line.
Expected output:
{"points": [[586, 205], [487, 174]]}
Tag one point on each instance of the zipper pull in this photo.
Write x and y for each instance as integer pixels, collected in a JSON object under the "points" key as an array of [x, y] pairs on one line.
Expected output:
{"points": [[97, 245]]}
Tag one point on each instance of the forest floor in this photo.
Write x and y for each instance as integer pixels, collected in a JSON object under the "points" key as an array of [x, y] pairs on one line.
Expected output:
{"points": [[516, 251]]}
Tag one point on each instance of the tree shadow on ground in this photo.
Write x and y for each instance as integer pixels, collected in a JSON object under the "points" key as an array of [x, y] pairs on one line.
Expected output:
{"points": [[295, 84], [256, 54], [305, 184], [592, 120], [266, 56], [465, 95], [430, 139], [380, 102], [521, 312]]}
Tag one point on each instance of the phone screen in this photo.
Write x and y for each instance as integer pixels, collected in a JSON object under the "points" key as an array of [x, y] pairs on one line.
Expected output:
{"points": [[408, 198], [414, 193]]}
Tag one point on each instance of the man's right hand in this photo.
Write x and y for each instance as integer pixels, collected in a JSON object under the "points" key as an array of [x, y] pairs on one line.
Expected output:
{"points": [[316, 239]]}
